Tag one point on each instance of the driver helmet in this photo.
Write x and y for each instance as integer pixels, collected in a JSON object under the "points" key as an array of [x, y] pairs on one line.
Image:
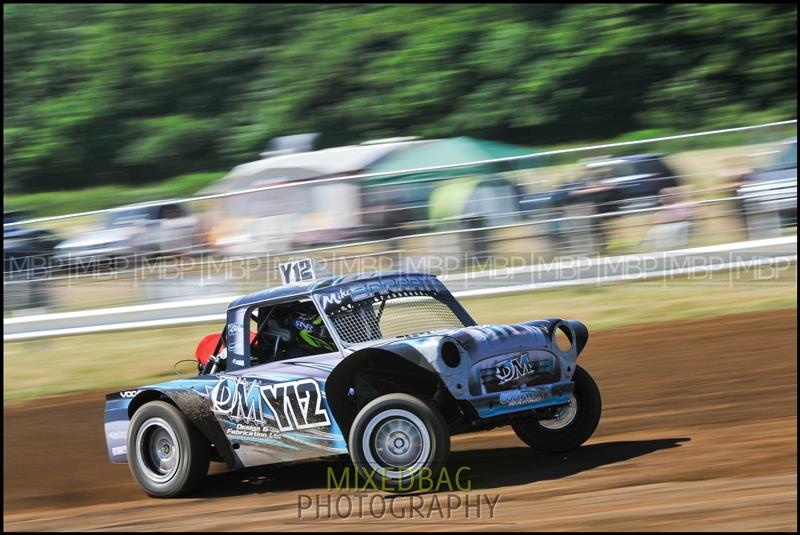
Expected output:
{"points": [[311, 332]]}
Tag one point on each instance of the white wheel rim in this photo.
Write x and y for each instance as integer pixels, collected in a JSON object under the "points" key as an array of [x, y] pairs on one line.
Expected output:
{"points": [[563, 417], [396, 443], [157, 450]]}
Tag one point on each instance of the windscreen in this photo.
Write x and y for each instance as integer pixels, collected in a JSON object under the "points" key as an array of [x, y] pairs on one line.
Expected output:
{"points": [[650, 166], [394, 316], [126, 217], [787, 157]]}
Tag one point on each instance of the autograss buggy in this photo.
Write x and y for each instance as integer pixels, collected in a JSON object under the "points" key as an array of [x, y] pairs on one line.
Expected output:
{"points": [[383, 366]]}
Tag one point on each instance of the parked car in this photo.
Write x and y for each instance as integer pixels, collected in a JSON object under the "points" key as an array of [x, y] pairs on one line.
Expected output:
{"points": [[768, 195], [27, 254], [608, 186], [26, 248], [385, 367], [133, 232]]}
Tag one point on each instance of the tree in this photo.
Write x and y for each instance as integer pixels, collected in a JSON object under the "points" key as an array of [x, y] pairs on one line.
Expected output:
{"points": [[116, 93]]}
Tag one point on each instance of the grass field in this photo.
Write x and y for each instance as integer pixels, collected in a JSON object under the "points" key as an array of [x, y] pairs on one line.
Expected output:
{"points": [[118, 360]]}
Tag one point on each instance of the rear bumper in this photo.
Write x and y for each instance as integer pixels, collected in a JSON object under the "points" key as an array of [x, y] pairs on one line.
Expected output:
{"points": [[116, 427]]}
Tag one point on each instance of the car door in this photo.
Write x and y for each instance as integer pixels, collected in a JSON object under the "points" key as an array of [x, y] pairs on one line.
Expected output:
{"points": [[278, 411]]}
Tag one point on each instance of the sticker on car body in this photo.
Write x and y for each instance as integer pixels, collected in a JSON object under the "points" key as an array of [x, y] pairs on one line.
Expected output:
{"points": [[294, 405]]}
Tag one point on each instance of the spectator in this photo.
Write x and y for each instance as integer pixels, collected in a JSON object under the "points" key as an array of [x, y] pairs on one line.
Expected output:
{"points": [[673, 224]]}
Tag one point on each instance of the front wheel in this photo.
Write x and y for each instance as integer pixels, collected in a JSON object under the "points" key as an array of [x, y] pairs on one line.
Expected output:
{"points": [[572, 425], [400, 439], [167, 455]]}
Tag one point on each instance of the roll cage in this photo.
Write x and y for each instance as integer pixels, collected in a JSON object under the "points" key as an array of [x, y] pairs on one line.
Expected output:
{"points": [[268, 341], [333, 298]]}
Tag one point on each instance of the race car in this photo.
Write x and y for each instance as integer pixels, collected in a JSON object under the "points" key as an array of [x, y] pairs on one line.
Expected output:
{"points": [[385, 367]]}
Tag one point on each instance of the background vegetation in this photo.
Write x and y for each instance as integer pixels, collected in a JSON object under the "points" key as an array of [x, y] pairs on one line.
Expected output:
{"points": [[102, 95]]}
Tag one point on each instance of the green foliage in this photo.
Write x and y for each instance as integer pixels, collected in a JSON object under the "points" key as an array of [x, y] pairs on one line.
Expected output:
{"points": [[100, 94], [97, 198]]}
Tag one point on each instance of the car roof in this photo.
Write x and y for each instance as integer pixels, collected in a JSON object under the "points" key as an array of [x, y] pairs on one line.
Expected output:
{"points": [[610, 160], [147, 204], [628, 158], [281, 293], [650, 156]]}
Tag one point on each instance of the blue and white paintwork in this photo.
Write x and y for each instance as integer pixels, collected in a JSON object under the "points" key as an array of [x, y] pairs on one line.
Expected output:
{"points": [[279, 411]]}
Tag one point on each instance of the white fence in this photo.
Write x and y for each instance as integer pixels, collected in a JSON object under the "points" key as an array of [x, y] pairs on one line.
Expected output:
{"points": [[638, 267]]}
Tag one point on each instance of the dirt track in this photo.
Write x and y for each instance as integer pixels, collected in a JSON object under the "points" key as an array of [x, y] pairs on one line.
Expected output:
{"points": [[699, 431]]}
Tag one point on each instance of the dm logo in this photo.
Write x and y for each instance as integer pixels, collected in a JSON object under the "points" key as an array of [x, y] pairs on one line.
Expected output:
{"points": [[521, 366], [514, 368]]}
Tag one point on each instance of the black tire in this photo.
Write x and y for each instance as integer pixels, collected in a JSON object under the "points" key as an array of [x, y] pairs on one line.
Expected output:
{"points": [[576, 431], [423, 441], [157, 423]]}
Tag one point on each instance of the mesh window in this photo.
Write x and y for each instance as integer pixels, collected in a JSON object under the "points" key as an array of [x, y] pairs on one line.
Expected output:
{"points": [[396, 316]]}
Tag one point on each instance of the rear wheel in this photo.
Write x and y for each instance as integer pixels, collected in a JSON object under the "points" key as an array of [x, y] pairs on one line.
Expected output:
{"points": [[400, 439], [167, 455], [572, 424]]}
